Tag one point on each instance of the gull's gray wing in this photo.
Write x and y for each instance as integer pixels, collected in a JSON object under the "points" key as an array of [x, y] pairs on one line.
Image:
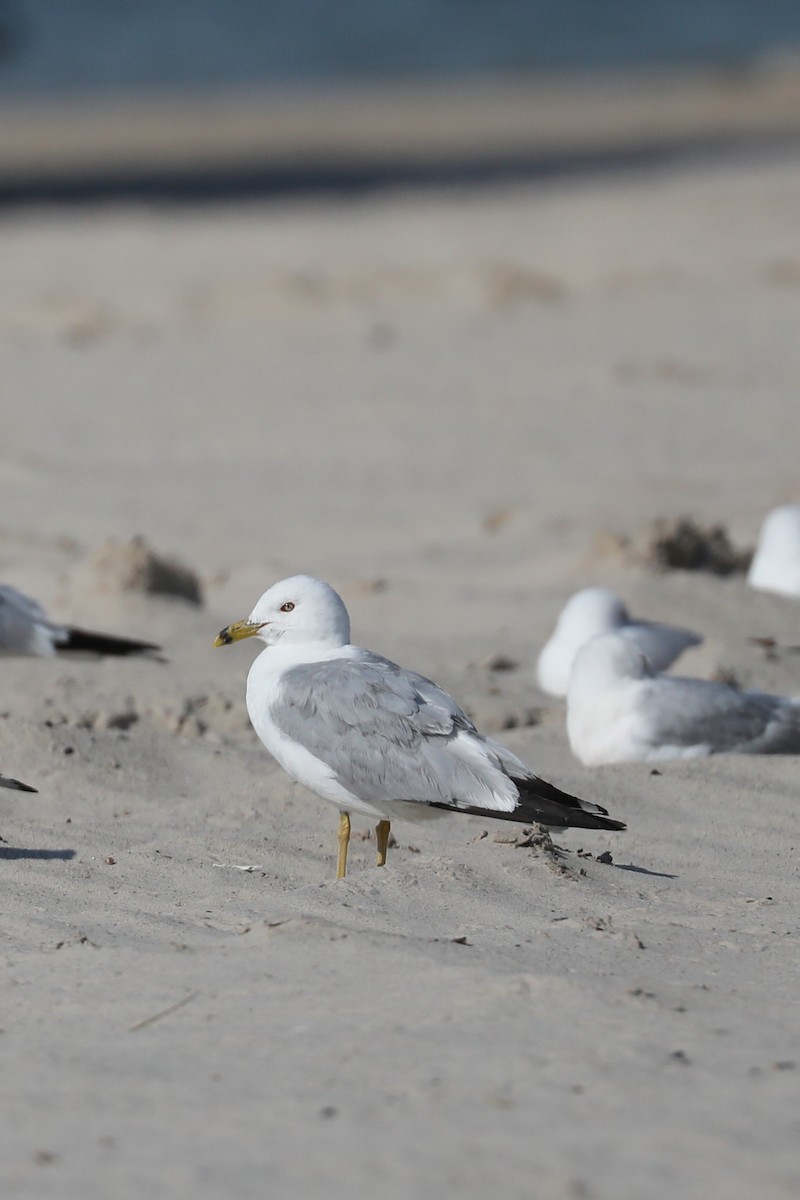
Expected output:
{"points": [[392, 735], [694, 712], [24, 627], [660, 644], [382, 730]]}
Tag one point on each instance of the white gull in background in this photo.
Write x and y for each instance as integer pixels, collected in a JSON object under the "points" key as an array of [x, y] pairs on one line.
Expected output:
{"points": [[776, 562], [620, 710], [25, 630], [596, 610], [373, 738]]}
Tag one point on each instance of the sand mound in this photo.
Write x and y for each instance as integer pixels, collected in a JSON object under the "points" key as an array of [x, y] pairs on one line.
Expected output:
{"points": [[679, 544], [134, 567]]}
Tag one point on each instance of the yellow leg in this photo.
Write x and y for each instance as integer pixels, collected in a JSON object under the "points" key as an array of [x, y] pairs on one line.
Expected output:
{"points": [[344, 839], [382, 834]]}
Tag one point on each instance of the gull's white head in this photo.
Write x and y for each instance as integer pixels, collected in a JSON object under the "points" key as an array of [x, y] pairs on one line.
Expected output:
{"points": [[589, 612], [776, 563], [605, 661], [297, 611]]}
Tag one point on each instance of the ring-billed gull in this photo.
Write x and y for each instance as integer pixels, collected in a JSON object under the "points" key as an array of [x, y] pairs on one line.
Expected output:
{"points": [[596, 610], [5, 781], [25, 630], [776, 562], [620, 710], [373, 738]]}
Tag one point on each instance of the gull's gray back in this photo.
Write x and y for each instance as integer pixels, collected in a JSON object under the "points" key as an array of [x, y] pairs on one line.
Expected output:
{"points": [[660, 644], [692, 712], [384, 731]]}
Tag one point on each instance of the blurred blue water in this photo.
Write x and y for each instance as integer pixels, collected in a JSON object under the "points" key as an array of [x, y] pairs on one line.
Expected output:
{"points": [[62, 46]]}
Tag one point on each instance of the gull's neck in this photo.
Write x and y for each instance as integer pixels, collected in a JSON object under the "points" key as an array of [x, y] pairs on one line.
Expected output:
{"points": [[273, 659]]}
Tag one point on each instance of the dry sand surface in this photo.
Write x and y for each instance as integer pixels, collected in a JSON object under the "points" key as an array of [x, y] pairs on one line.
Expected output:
{"points": [[438, 402]]}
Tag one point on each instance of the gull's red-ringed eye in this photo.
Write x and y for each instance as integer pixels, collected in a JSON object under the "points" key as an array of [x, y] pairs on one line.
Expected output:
{"points": [[288, 606]]}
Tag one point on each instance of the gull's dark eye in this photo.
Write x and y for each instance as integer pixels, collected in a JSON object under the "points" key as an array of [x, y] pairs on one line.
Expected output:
{"points": [[288, 606]]}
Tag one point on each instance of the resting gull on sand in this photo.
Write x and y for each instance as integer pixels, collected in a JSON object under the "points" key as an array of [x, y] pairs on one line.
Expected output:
{"points": [[373, 738], [596, 610], [620, 710], [776, 562], [25, 630]]}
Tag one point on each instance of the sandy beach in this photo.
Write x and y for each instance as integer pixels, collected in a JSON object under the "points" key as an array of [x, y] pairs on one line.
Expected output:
{"points": [[445, 403]]}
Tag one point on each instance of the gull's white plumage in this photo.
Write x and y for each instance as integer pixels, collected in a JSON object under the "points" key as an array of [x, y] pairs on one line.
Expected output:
{"points": [[596, 610], [620, 710], [776, 562], [374, 738]]}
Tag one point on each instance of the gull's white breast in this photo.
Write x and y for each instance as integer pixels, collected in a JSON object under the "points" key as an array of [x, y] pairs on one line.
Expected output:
{"points": [[264, 683]]}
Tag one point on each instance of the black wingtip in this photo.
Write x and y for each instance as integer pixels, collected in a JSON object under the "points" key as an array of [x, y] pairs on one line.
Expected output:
{"points": [[546, 811], [606, 823], [17, 785], [537, 794], [84, 641], [542, 803]]}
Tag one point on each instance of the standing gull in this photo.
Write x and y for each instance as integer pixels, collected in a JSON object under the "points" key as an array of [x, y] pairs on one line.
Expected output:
{"points": [[776, 562], [25, 630], [373, 738], [620, 710], [596, 610]]}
